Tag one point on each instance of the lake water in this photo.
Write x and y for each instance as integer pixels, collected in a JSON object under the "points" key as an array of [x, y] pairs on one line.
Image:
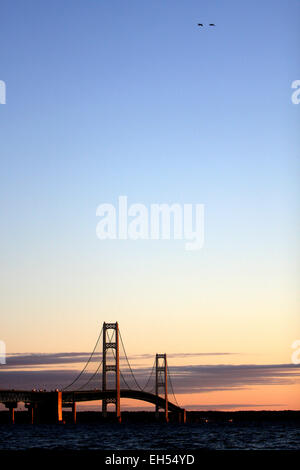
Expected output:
{"points": [[212, 436]]}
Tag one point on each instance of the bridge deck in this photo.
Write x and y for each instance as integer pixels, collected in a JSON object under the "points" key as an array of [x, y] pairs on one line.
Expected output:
{"points": [[29, 397]]}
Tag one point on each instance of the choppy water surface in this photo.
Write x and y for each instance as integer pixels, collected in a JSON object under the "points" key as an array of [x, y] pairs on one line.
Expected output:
{"points": [[283, 436]]}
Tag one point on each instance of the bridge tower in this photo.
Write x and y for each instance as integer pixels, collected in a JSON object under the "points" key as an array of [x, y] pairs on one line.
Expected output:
{"points": [[161, 381], [113, 344]]}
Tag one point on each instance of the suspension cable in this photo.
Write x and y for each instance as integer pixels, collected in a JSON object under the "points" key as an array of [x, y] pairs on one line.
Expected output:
{"points": [[87, 363], [149, 378], [91, 378], [129, 363], [171, 385]]}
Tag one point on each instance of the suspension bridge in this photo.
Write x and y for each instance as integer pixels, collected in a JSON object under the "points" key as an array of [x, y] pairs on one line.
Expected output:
{"points": [[107, 383]]}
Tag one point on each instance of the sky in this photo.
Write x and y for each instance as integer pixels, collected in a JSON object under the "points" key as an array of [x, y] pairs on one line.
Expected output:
{"points": [[126, 97]]}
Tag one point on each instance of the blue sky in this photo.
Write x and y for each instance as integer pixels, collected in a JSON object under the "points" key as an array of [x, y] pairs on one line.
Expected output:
{"points": [[106, 98]]}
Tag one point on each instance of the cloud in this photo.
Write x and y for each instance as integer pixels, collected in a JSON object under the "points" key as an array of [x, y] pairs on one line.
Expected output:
{"points": [[38, 379], [19, 360], [210, 378], [38, 359], [183, 355], [186, 379]]}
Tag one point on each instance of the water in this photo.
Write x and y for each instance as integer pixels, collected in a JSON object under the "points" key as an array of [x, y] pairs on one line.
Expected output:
{"points": [[212, 436]]}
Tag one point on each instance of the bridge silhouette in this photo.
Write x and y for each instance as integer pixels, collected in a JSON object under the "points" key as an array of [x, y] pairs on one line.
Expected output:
{"points": [[48, 405]]}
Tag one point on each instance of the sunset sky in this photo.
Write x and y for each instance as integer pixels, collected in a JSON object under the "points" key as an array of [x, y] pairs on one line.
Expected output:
{"points": [[131, 97]]}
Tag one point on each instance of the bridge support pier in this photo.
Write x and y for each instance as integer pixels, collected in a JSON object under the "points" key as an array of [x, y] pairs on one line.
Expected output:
{"points": [[74, 412], [50, 409], [57, 406], [182, 416], [32, 411], [11, 408]]}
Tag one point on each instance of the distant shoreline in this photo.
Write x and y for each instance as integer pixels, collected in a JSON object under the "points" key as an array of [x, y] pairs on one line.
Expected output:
{"points": [[193, 417]]}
